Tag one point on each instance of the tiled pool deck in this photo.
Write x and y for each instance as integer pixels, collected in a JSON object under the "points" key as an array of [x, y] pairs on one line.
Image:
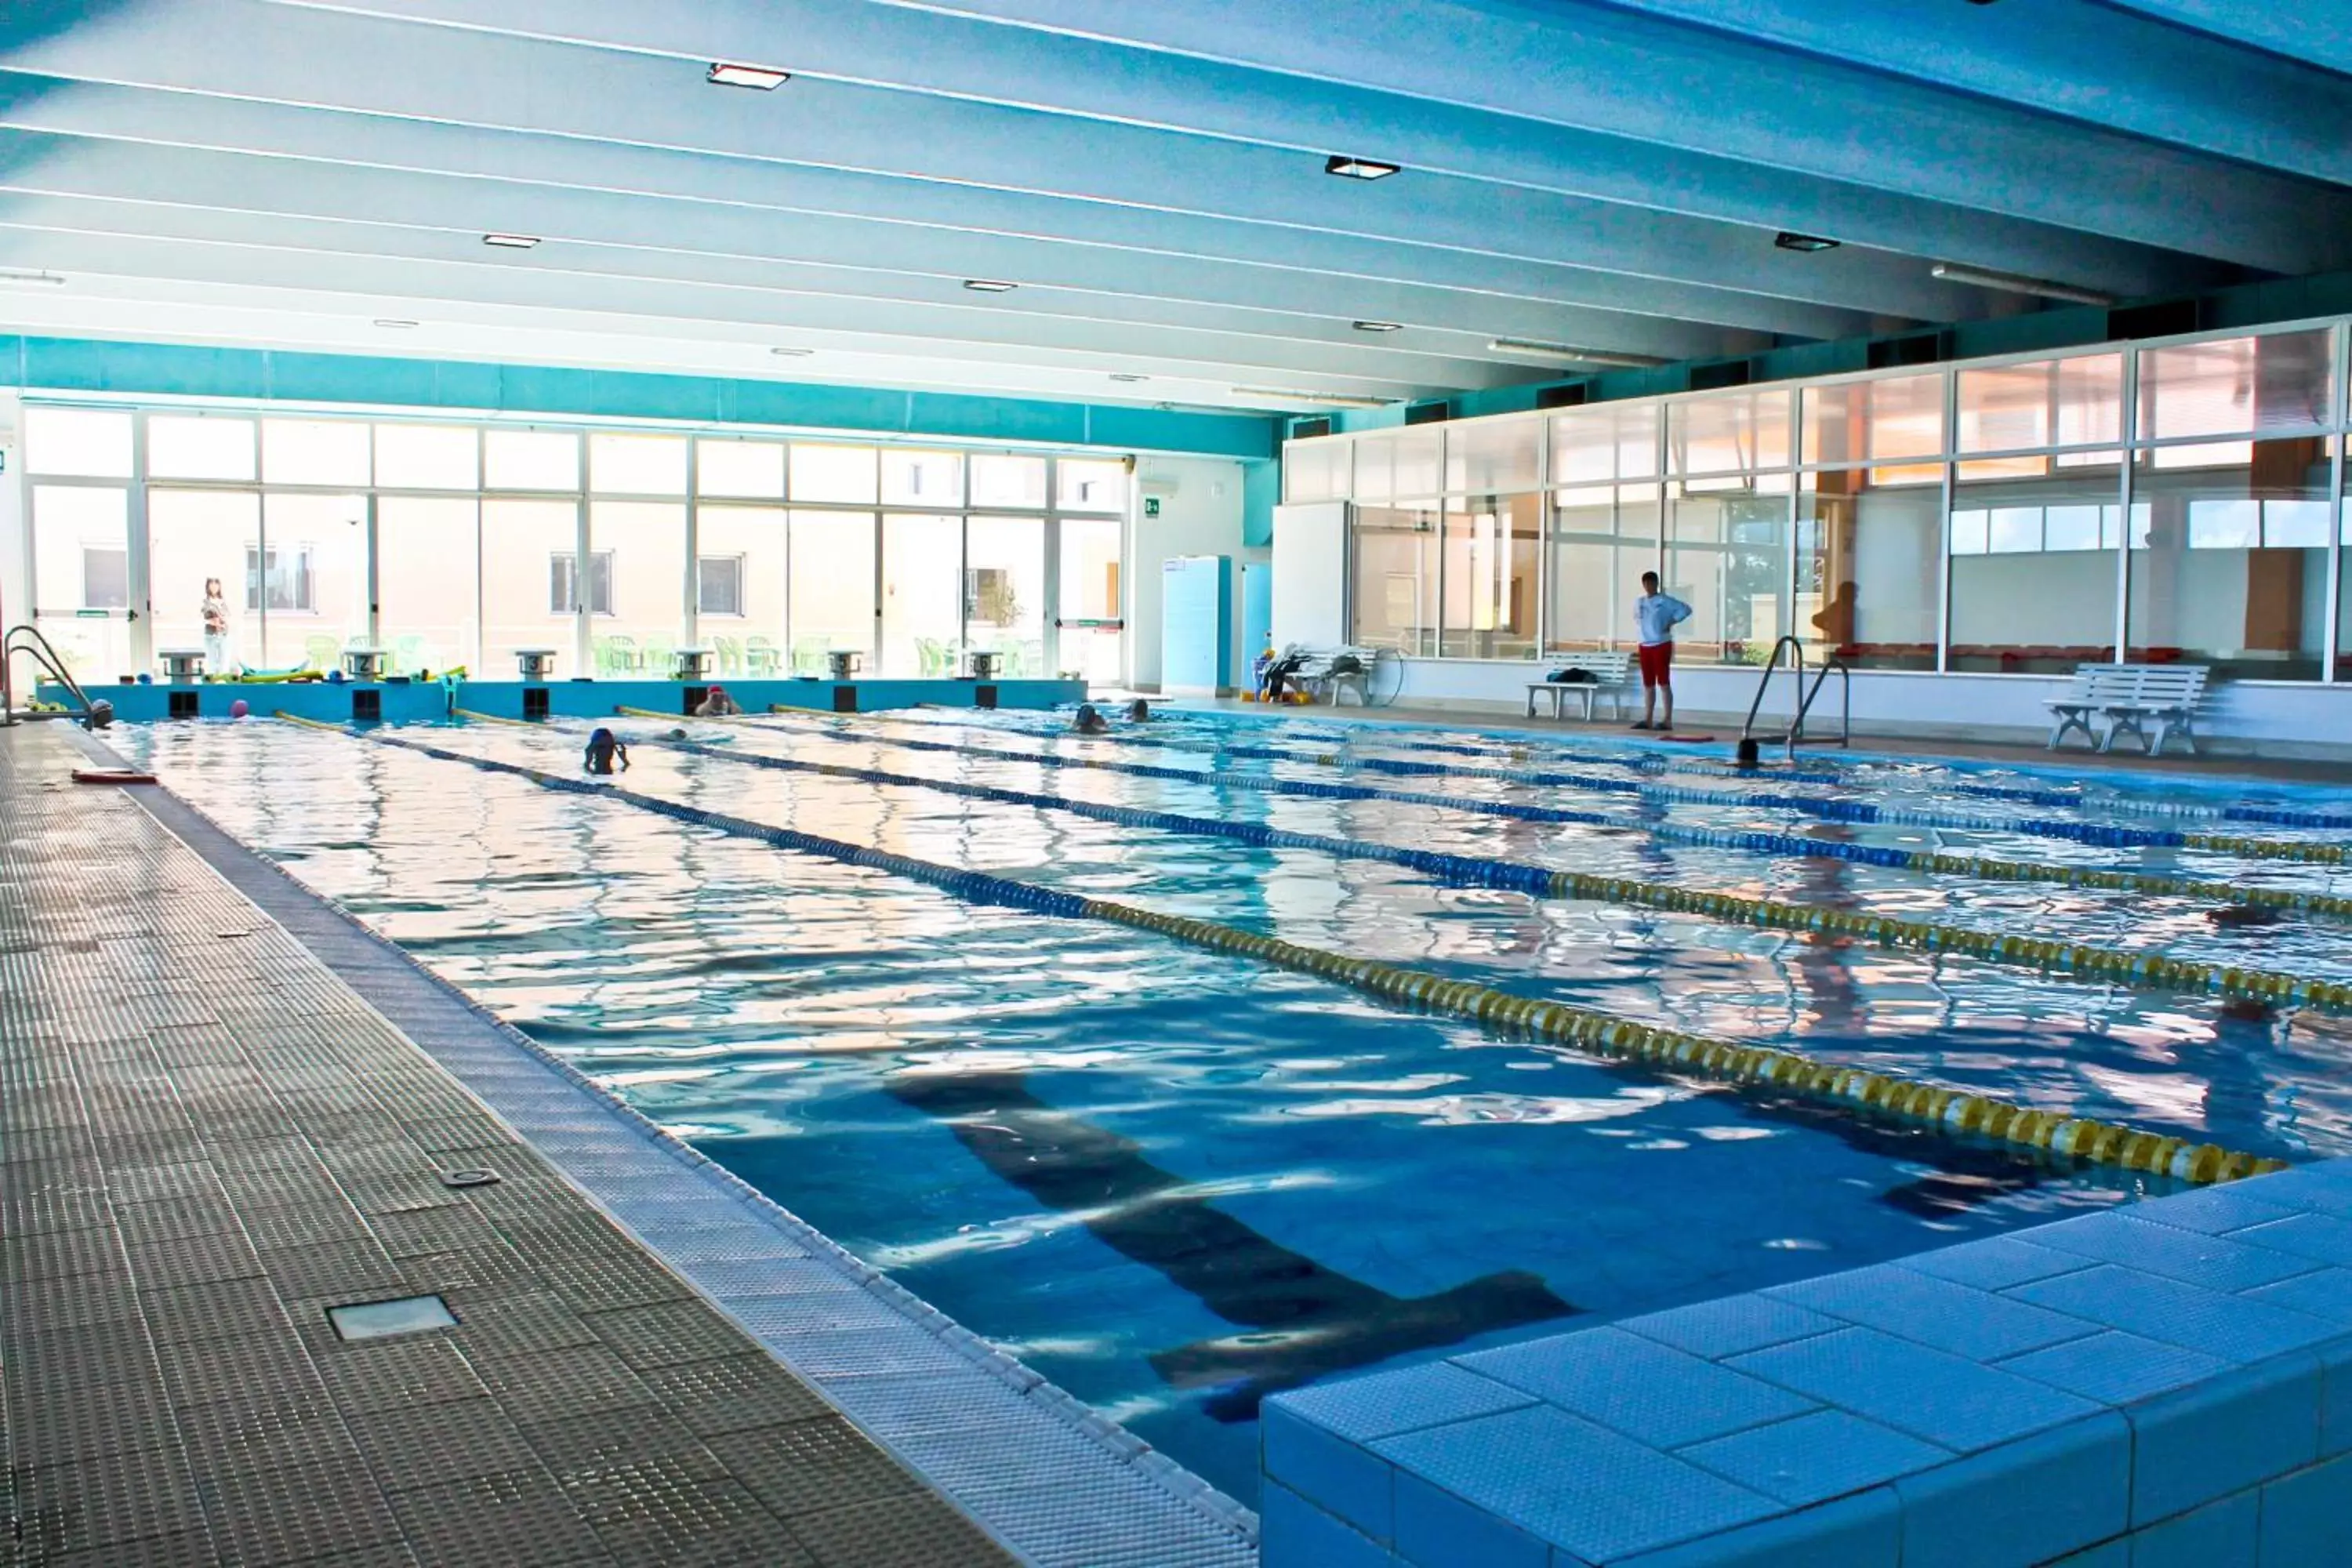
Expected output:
{"points": [[225, 1107]]}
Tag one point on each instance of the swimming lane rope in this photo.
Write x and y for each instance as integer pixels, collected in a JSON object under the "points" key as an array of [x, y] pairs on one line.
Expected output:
{"points": [[2140, 971], [2100, 834], [1671, 1051], [1982, 867]]}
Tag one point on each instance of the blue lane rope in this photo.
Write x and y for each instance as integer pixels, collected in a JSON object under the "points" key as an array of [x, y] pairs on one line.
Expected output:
{"points": [[1759, 842]]}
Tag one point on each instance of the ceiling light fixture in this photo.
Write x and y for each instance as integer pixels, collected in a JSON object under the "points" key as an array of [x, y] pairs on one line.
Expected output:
{"points": [[760, 79], [792, 353], [2019, 283], [1121, 375], [1788, 240], [990, 286], [1526, 348], [1349, 168], [1326, 399], [512, 241], [1378, 326], [12, 275], [393, 324]]}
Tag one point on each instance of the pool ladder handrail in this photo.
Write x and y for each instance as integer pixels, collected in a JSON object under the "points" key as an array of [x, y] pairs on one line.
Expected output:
{"points": [[1805, 696], [43, 653]]}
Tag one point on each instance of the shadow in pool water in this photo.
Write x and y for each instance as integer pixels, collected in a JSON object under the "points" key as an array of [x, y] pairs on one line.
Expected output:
{"points": [[1306, 1321]]}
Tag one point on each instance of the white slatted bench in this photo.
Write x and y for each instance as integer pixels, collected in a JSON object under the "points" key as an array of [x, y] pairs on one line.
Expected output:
{"points": [[1317, 676], [2130, 696], [1611, 674]]}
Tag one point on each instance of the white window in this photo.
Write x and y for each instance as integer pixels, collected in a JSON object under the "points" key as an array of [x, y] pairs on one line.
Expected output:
{"points": [[280, 578], [718, 584], [105, 577], [562, 584]]}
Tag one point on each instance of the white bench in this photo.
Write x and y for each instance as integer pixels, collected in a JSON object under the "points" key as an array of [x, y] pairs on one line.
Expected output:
{"points": [[1611, 677], [2130, 696], [1318, 677]]}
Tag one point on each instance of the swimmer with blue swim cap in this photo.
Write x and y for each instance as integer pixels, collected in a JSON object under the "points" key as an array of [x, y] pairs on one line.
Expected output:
{"points": [[603, 749]]}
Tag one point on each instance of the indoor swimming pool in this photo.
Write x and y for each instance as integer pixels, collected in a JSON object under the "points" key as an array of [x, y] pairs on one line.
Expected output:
{"points": [[1175, 1180]]}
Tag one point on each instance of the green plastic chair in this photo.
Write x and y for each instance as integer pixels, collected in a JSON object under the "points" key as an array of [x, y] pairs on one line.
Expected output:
{"points": [[322, 653], [407, 654], [808, 655], [760, 657], [726, 653], [655, 660], [616, 655]]}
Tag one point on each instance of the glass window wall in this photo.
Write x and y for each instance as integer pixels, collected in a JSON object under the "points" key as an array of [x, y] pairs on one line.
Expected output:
{"points": [[455, 545], [1395, 579]]}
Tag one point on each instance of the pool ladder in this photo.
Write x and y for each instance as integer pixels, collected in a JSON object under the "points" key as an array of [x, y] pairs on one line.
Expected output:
{"points": [[1796, 731], [26, 639]]}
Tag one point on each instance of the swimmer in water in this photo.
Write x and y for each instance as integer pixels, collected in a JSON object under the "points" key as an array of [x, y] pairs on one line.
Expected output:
{"points": [[1089, 721], [716, 704], [2231, 916], [604, 750], [1139, 710]]}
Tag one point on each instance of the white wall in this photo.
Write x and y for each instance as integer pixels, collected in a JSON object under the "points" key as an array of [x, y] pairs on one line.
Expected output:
{"points": [[16, 552], [1202, 517]]}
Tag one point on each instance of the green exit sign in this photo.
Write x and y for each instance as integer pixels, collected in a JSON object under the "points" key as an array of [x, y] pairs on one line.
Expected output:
{"points": [[1151, 506]]}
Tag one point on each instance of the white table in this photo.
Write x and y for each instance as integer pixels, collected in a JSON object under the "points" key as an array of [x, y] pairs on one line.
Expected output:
{"points": [[536, 663], [844, 662], [182, 665], [689, 664], [363, 663]]}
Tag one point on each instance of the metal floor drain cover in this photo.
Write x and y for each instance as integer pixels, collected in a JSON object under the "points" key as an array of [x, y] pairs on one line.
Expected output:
{"points": [[473, 1177], [382, 1319]]}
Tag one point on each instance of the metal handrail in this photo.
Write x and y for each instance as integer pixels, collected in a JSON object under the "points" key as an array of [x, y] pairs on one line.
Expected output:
{"points": [[44, 653], [1772, 667], [1845, 691]]}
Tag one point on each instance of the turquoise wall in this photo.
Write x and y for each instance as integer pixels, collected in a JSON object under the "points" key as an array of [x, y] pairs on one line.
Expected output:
{"points": [[166, 370], [1261, 493]]}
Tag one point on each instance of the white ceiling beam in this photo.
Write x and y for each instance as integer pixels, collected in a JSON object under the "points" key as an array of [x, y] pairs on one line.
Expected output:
{"points": [[963, 57], [1590, 66]]}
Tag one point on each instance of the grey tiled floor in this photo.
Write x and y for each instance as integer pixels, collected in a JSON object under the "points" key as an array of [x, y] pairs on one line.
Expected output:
{"points": [[205, 1141]]}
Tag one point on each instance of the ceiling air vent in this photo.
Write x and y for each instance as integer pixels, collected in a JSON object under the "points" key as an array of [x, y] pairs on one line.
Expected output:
{"points": [[1307, 429], [1722, 373], [1428, 413], [2165, 319], [1567, 396], [1912, 348]]}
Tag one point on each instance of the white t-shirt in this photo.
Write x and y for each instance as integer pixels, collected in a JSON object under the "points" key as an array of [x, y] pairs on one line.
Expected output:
{"points": [[1656, 616]]}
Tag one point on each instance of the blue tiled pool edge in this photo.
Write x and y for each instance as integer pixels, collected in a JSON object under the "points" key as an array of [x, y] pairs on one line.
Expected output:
{"points": [[969, 1419], [2171, 1377]]}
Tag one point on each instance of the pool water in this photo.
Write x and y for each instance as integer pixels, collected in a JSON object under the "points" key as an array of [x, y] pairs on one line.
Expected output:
{"points": [[1173, 1180]]}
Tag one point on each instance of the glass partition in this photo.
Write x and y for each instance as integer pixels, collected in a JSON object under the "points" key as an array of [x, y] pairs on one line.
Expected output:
{"points": [[833, 586], [428, 584], [636, 553], [1489, 575], [205, 572], [1500, 457], [752, 470], [741, 582], [81, 578], [1728, 432], [531, 459], [1869, 568], [1603, 538], [77, 443], [1316, 471], [922, 595], [200, 447], [1090, 598], [2229, 557], [310, 452], [311, 563], [1895, 420], [532, 586], [2074, 402], [1007, 479], [1005, 592], [428, 456], [2033, 567], [2278, 383], [1395, 579], [1728, 558], [915, 477]]}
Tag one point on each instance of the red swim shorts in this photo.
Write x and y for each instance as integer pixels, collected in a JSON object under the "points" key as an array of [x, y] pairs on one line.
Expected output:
{"points": [[1657, 663]]}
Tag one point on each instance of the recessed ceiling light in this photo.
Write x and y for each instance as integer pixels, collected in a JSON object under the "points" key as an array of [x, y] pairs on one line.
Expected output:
{"points": [[1526, 348], [792, 353], [393, 324], [1378, 326], [11, 274], [1787, 240], [1329, 399], [1116, 375], [512, 241], [990, 286], [763, 79], [1349, 168], [2018, 283]]}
